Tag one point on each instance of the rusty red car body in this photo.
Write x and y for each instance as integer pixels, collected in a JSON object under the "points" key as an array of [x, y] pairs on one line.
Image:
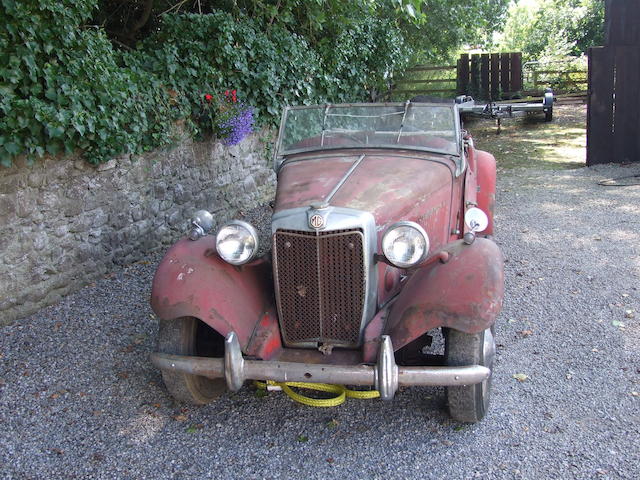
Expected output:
{"points": [[327, 295]]}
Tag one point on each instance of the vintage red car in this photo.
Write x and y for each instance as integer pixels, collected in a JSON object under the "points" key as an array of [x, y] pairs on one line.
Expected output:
{"points": [[381, 236]]}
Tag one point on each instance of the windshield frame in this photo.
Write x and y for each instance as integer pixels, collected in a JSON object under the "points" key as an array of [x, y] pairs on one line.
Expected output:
{"points": [[279, 155]]}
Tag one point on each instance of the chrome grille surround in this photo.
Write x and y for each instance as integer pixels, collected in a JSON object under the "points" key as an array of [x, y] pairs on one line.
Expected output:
{"points": [[317, 302]]}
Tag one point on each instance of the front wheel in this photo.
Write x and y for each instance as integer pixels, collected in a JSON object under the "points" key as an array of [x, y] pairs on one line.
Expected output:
{"points": [[190, 336], [470, 403]]}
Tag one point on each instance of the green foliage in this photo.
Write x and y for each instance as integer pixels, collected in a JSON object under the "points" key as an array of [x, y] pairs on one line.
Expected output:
{"points": [[359, 61], [312, 19], [193, 54], [564, 75], [64, 87], [449, 24], [62, 90], [551, 29]]}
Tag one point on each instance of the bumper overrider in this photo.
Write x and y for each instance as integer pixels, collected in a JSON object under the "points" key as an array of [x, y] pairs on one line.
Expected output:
{"points": [[385, 376]]}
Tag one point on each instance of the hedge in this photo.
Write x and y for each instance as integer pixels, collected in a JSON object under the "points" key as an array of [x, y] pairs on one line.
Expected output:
{"points": [[64, 87]]}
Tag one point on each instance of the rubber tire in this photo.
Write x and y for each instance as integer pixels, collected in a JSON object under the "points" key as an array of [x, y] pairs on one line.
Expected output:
{"points": [[184, 336], [468, 403]]}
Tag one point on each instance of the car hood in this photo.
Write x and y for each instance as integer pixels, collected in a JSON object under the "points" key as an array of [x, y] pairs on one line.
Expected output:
{"points": [[391, 187]]}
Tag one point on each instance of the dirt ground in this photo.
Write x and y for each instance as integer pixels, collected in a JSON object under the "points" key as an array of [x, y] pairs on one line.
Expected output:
{"points": [[529, 141]]}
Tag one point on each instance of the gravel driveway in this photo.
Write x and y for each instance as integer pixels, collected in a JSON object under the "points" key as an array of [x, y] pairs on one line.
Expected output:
{"points": [[79, 398]]}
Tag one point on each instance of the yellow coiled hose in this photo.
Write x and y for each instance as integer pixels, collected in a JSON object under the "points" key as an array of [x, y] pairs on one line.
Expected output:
{"points": [[342, 393]]}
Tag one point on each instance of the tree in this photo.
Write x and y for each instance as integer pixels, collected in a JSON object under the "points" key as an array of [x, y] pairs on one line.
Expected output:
{"points": [[431, 28], [553, 28]]}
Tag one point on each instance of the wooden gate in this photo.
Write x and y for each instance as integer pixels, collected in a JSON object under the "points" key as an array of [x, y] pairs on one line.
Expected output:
{"points": [[490, 76], [613, 118]]}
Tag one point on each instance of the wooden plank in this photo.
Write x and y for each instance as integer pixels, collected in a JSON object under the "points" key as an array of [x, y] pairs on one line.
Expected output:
{"points": [[622, 18], [494, 76], [540, 94], [556, 72], [516, 71], [626, 141], [424, 68], [484, 76], [600, 105], [426, 92], [532, 96], [505, 83], [607, 22], [462, 86], [431, 80], [535, 79], [571, 95], [474, 80]]}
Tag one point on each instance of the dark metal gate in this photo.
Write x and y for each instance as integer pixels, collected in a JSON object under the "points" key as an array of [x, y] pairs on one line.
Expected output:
{"points": [[613, 117], [492, 76]]}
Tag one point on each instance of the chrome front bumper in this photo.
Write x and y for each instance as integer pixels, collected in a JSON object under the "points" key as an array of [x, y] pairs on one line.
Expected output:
{"points": [[385, 376]]}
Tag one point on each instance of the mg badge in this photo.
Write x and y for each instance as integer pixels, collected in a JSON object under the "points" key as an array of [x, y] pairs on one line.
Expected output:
{"points": [[316, 221]]}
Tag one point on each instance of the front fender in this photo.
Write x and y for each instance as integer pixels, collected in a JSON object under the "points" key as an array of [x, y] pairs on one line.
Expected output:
{"points": [[465, 293], [486, 165], [192, 280]]}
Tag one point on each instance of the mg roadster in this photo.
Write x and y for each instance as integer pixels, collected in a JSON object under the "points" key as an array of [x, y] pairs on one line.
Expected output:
{"points": [[381, 239]]}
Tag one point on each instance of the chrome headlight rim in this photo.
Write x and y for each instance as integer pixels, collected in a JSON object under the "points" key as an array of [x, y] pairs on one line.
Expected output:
{"points": [[420, 230], [250, 230]]}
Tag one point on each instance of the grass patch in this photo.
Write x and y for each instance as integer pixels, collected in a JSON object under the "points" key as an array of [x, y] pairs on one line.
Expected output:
{"points": [[530, 142]]}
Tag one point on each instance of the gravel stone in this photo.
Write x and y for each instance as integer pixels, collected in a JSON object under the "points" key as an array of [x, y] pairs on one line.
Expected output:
{"points": [[80, 399]]}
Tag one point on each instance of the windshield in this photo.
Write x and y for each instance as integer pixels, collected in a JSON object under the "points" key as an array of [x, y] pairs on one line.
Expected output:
{"points": [[411, 126]]}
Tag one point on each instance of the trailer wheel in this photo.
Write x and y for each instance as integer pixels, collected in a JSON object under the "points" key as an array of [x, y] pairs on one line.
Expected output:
{"points": [[191, 336], [470, 403]]}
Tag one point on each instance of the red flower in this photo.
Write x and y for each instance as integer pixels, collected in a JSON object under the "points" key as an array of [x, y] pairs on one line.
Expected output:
{"points": [[226, 94], [208, 97]]}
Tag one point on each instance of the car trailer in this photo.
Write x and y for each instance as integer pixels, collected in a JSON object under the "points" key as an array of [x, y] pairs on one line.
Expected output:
{"points": [[467, 106]]}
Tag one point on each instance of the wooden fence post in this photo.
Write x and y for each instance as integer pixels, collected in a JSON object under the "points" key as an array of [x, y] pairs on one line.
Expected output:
{"points": [[516, 72], [600, 106], [463, 75], [626, 118], [505, 84], [613, 112], [495, 76], [484, 76], [474, 84]]}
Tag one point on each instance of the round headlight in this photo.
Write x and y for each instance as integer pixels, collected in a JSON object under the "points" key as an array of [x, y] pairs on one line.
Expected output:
{"points": [[237, 242], [405, 244]]}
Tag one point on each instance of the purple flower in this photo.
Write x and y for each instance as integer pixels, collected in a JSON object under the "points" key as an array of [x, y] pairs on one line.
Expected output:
{"points": [[237, 127]]}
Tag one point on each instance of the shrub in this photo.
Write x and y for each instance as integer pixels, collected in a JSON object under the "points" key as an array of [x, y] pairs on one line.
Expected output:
{"points": [[64, 87], [63, 90]]}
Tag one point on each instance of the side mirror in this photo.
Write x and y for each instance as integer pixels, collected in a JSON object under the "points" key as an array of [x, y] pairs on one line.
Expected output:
{"points": [[201, 224], [476, 220]]}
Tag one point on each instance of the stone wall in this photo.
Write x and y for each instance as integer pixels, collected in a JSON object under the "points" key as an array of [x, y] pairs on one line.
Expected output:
{"points": [[63, 222]]}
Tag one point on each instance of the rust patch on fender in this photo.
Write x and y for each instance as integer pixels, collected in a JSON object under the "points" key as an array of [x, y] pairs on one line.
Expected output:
{"points": [[226, 298], [465, 293]]}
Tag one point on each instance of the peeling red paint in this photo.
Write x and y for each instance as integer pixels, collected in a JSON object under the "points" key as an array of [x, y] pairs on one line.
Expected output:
{"points": [[221, 295], [391, 187], [461, 286], [487, 186], [465, 293], [372, 333]]}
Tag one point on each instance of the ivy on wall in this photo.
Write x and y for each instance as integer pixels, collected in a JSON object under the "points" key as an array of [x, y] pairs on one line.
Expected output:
{"points": [[64, 87]]}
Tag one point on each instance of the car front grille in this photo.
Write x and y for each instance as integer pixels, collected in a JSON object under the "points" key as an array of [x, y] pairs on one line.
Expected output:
{"points": [[320, 286]]}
